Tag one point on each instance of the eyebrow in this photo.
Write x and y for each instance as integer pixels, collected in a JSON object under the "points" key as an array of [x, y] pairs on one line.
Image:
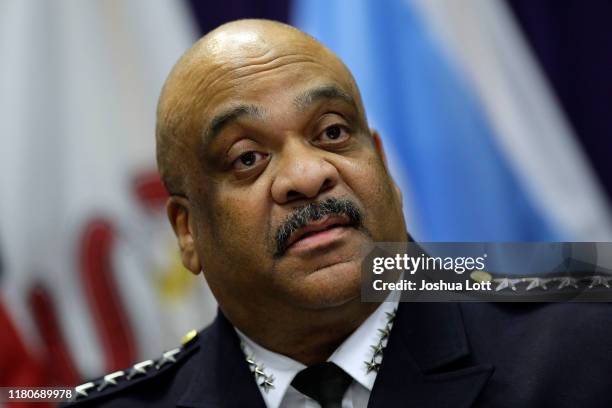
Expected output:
{"points": [[311, 96], [226, 117], [302, 102]]}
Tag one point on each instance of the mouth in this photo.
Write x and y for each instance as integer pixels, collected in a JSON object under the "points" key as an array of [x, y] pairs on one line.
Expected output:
{"points": [[319, 233]]}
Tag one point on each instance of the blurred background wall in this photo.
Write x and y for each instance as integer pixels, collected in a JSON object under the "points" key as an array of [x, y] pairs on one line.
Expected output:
{"points": [[495, 116]]}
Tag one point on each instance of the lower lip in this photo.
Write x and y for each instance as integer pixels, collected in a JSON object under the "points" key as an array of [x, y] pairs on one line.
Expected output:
{"points": [[319, 240]]}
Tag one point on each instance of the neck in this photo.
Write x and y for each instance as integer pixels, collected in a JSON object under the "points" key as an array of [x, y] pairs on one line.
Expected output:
{"points": [[307, 336]]}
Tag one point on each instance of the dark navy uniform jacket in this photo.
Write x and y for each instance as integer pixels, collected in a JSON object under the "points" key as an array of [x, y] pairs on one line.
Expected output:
{"points": [[438, 355]]}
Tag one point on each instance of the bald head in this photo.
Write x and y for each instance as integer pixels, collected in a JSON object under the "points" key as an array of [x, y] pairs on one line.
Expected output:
{"points": [[215, 68]]}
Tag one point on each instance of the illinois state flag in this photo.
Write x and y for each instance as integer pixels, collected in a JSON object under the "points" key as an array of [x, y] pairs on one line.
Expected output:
{"points": [[18, 367], [91, 278]]}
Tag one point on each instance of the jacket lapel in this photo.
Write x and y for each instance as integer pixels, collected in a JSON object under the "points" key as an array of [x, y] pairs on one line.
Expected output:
{"points": [[427, 360], [223, 378]]}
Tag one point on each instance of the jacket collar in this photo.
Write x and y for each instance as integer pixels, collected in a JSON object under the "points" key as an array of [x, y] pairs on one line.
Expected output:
{"points": [[222, 377], [426, 364], [427, 360]]}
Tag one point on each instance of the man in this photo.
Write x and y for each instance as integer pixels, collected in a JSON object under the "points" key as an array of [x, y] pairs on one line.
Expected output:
{"points": [[276, 186]]}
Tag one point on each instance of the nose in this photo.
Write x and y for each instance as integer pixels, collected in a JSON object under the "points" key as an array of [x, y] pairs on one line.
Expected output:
{"points": [[302, 174]]}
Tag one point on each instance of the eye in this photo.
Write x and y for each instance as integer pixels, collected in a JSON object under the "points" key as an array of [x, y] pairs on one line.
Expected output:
{"points": [[334, 133], [248, 160]]}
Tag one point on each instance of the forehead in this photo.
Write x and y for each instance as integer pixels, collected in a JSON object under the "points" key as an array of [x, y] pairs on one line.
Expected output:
{"points": [[270, 79], [277, 81], [257, 63]]}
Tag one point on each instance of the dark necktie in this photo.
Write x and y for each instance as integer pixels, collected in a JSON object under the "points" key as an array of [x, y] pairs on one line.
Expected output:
{"points": [[325, 383]]}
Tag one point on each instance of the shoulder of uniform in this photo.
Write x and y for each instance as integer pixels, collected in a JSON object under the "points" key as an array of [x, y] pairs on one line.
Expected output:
{"points": [[120, 381], [586, 285]]}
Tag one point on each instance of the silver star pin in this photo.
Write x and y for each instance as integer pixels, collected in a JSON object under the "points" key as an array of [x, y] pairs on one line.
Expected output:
{"points": [[167, 357], [110, 379], [259, 370], [251, 362], [81, 390], [390, 316], [506, 283], [139, 369], [599, 280], [567, 281], [536, 283], [372, 366], [267, 383], [384, 333], [378, 349]]}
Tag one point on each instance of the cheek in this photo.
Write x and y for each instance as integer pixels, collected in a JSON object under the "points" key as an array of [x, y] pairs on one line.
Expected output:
{"points": [[231, 227], [370, 182]]}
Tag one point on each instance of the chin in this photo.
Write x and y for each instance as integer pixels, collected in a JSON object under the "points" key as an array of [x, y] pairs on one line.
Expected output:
{"points": [[329, 286]]}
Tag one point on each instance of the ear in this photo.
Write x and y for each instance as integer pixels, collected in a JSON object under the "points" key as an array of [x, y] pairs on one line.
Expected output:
{"points": [[381, 152], [179, 214], [379, 146]]}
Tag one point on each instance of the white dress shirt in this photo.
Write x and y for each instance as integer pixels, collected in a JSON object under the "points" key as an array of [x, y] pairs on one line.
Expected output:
{"points": [[351, 356]]}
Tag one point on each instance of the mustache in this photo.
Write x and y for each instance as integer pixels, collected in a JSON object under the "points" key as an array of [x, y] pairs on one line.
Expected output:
{"points": [[302, 216]]}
